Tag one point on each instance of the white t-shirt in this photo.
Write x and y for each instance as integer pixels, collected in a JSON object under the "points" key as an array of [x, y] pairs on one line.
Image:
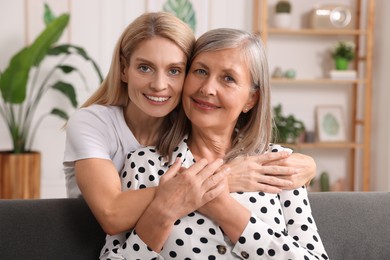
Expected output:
{"points": [[96, 132]]}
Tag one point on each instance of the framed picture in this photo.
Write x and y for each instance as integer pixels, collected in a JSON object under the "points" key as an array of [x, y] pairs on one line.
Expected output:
{"points": [[330, 124]]}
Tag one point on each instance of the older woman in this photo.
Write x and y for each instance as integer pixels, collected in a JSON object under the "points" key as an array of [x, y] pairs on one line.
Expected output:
{"points": [[226, 97]]}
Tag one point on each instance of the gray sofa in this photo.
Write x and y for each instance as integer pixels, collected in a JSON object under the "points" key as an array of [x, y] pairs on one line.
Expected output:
{"points": [[352, 225]]}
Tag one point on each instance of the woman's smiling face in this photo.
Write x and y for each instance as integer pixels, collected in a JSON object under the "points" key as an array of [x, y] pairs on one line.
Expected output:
{"points": [[217, 89], [155, 76]]}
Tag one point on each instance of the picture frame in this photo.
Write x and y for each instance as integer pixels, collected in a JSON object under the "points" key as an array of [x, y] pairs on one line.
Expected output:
{"points": [[330, 124]]}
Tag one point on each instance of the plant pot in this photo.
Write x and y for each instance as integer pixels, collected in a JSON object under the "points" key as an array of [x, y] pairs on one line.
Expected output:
{"points": [[282, 20], [20, 175], [341, 63]]}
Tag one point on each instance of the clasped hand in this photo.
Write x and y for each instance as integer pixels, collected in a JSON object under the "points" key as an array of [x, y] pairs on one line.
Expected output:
{"points": [[184, 190]]}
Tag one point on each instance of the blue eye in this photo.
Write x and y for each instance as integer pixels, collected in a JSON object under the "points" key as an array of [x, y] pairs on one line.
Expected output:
{"points": [[174, 71], [229, 79], [201, 72], [144, 68]]}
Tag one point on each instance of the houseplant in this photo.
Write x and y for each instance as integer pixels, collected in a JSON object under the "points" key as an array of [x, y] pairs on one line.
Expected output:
{"points": [[343, 53], [182, 9], [23, 84], [287, 129], [282, 16]]}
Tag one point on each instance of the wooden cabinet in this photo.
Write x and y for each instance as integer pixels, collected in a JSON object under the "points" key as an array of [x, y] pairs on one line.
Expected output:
{"points": [[359, 106]]}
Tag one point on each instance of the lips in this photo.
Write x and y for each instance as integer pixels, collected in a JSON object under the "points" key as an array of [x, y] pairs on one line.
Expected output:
{"points": [[204, 104], [157, 99]]}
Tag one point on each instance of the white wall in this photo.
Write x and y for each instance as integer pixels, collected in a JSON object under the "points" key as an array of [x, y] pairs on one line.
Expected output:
{"points": [[381, 95], [95, 25]]}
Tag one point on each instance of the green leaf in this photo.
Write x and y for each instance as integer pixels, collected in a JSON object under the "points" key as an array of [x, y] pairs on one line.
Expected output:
{"points": [[13, 82], [67, 49], [68, 90], [66, 68], [48, 15], [48, 37], [183, 10], [80, 51], [60, 113], [84, 54], [58, 50]]}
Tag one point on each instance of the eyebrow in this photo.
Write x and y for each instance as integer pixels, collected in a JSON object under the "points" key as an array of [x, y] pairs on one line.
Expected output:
{"points": [[180, 63], [228, 70]]}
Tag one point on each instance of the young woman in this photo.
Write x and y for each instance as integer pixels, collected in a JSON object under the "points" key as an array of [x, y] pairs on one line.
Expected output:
{"points": [[226, 97], [134, 107]]}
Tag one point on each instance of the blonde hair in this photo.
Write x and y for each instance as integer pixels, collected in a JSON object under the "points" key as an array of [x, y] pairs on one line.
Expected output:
{"points": [[113, 91], [254, 128]]}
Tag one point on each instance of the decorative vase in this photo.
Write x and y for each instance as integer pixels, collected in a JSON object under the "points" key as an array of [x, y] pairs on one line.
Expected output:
{"points": [[20, 175], [341, 63], [282, 20]]}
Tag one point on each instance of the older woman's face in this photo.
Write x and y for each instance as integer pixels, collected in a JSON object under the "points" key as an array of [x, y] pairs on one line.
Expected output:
{"points": [[217, 89]]}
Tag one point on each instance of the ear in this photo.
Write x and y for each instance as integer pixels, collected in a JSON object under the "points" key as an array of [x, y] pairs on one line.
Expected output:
{"points": [[124, 75], [124, 69], [252, 101]]}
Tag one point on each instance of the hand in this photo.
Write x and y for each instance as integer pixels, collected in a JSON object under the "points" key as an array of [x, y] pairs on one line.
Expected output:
{"points": [[227, 213], [182, 191], [265, 172], [215, 206], [304, 165]]}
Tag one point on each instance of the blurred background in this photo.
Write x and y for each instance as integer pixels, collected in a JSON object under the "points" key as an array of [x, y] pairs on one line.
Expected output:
{"points": [[95, 25]]}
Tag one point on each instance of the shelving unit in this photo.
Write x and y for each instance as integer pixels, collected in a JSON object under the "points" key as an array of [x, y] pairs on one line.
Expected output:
{"points": [[361, 88]]}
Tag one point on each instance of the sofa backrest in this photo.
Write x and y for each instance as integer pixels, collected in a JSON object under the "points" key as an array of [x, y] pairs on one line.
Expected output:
{"points": [[49, 229], [352, 225]]}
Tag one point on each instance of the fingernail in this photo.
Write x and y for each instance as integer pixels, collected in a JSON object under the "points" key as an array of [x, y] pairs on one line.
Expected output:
{"points": [[226, 170]]}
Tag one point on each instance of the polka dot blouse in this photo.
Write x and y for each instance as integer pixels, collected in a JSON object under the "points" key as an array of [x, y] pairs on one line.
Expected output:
{"points": [[281, 225]]}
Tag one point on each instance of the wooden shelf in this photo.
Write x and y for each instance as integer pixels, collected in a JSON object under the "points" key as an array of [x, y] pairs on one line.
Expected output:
{"points": [[324, 81], [315, 32], [325, 145], [359, 119]]}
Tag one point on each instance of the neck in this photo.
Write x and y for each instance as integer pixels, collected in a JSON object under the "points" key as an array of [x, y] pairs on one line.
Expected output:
{"points": [[209, 144], [144, 128]]}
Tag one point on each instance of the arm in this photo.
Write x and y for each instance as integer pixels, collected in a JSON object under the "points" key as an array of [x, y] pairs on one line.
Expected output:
{"points": [[270, 172], [91, 140], [178, 195], [100, 185], [260, 236]]}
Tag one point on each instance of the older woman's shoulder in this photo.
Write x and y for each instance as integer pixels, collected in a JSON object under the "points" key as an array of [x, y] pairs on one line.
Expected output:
{"points": [[274, 148]]}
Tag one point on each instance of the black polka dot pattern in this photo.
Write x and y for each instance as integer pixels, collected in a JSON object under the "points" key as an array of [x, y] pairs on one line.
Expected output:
{"points": [[281, 225]]}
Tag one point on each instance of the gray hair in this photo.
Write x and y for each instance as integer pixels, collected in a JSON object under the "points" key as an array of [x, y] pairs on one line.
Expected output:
{"points": [[255, 127]]}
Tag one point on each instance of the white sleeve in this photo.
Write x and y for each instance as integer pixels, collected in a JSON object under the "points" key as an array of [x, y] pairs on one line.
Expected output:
{"points": [[132, 248], [86, 137], [300, 241]]}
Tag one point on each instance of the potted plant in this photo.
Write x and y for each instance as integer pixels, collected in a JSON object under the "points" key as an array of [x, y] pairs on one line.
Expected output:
{"points": [[287, 129], [22, 86], [343, 53], [282, 16]]}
